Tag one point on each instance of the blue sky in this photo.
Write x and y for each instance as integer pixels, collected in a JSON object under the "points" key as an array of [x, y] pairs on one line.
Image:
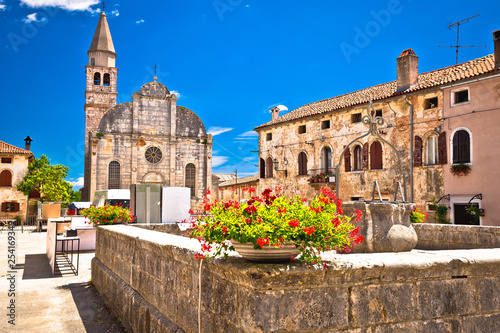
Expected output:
{"points": [[231, 61]]}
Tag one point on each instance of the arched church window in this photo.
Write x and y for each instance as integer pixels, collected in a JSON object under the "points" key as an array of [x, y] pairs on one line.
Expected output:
{"points": [[153, 155], [106, 80], [191, 178], [114, 175], [5, 178], [92, 62], [97, 79]]}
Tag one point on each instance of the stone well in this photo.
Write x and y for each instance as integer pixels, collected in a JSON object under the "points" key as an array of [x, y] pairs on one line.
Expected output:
{"points": [[385, 226]]}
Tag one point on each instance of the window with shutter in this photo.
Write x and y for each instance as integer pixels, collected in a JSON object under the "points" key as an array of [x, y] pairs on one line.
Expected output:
{"points": [[417, 152], [262, 168], [326, 159], [365, 156], [357, 158], [6, 178], [442, 150], [376, 156], [4, 206], [16, 207], [269, 168], [347, 160], [302, 164], [432, 150], [461, 147]]}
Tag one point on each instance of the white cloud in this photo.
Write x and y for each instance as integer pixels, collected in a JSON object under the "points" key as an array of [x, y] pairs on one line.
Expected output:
{"points": [[214, 130], [115, 13], [176, 93], [32, 18], [2, 6], [69, 5], [219, 160], [282, 107], [141, 21], [78, 182], [248, 135]]}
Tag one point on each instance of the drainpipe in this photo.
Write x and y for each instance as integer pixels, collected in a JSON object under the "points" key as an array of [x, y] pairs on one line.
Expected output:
{"points": [[411, 149]]}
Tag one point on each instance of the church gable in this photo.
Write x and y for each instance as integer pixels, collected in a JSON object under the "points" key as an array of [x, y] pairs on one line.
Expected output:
{"points": [[118, 119], [189, 124]]}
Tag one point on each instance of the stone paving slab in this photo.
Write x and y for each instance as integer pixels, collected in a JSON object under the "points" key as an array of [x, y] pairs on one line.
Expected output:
{"points": [[46, 303]]}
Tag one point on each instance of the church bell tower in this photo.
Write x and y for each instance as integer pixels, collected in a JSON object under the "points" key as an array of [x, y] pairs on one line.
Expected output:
{"points": [[100, 92]]}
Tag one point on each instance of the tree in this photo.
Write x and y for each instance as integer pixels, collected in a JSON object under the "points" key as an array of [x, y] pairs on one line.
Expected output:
{"points": [[48, 180]]}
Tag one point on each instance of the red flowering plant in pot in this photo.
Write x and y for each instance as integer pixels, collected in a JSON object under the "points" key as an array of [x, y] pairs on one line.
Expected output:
{"points": [[108, 215], [273, 221]]}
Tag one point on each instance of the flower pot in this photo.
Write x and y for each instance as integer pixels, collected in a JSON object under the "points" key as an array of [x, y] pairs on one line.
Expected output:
{"points": [[267, 254]]}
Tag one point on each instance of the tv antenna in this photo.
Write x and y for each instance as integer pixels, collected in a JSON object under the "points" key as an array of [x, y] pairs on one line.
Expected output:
{"points": [[458, 46]]}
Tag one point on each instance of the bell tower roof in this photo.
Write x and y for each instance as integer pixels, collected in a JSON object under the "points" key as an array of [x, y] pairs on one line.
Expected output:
{"points": [[102, 40]]}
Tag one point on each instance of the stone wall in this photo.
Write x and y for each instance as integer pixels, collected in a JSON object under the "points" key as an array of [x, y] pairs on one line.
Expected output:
{"points": [[450, 237], [150, 281]]}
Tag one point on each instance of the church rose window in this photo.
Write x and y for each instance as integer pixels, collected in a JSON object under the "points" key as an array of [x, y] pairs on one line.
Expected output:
{"points": [[153, 155]]}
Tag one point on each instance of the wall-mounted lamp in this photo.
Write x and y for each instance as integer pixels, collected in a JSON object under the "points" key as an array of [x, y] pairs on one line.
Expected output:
{"points": [[276, 165]]}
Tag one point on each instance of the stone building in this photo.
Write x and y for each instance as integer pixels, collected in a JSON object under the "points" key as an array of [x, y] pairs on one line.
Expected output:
{"points": [[14, 163], [310, 140], [150, 140]]}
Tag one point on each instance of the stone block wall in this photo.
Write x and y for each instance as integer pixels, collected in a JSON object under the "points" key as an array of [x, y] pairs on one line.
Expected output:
{"points": [[451, 236], [150, 281]]}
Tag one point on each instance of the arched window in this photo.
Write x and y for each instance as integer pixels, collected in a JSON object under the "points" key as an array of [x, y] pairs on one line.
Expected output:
{"points": [[461, 147], [326, 159], [97, 79], [262, 168], [92, 62], [114, 175], [6, 178], [106, 80], [357, 158], [269, 168], [431, 150], [376, 156], [302, 164], [191, 178]]}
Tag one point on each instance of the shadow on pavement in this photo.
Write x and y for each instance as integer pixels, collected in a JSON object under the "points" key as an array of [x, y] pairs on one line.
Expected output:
{"points": [[36, 266], [95, 315]]}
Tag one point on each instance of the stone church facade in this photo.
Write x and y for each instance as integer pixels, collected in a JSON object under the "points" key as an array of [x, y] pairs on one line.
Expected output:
{"points": [[150, 140]]}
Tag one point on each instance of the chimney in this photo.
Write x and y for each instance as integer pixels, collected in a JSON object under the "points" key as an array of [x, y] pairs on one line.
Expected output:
{"points": [[275, 113], [407, 69], [27, 143], [496, 43]]}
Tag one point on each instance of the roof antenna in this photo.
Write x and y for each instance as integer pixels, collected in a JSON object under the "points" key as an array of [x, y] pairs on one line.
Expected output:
{"points": [[457, 24]]}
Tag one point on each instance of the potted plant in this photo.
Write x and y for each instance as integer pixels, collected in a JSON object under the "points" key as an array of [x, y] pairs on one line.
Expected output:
{"points": [[460, 169], [274, 221], [476, 212], [106, 215]]}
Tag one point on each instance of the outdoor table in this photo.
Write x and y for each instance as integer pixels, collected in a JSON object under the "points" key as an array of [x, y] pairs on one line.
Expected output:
{"points": [[65, 248]]}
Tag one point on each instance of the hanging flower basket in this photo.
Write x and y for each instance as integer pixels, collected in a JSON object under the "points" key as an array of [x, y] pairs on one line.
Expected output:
{"points": [[460, 169]]}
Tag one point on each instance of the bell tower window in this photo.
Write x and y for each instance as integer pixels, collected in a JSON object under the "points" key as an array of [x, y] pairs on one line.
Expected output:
{"points": [[106, 80], [97, 79], [92, 62]]}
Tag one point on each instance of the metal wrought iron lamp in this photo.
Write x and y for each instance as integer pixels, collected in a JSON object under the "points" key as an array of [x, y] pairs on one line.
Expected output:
{"points": [[276, 166]]}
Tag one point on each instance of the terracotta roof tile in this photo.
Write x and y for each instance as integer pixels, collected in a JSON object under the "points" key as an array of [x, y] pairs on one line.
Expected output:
{"points": [[425, 80], [5, 148]]}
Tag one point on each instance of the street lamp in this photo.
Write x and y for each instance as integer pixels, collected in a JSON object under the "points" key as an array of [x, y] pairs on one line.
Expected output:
{"points": [[276, 165]]}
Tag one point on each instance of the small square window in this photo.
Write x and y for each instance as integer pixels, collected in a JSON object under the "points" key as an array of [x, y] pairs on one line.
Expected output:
{"points": [[269, 136], [302, 129], [356, 118], [325, 124], [6, 160], [461, 96], [356, 198], [378, 113], [430, 103]]}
